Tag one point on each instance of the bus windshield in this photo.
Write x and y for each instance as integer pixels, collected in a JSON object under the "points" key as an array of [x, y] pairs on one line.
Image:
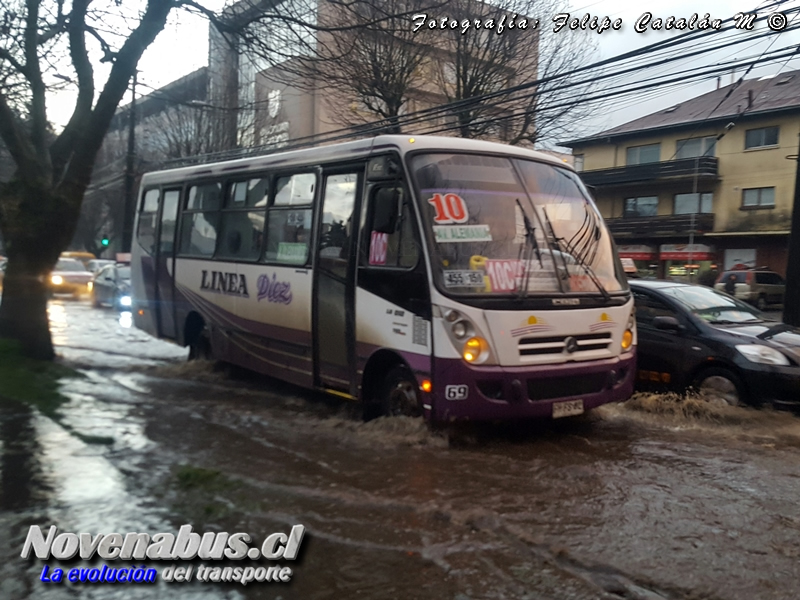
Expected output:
{"points": [[508, 226]]}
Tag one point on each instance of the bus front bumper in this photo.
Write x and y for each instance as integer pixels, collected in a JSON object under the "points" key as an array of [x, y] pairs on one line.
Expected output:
{"points": [[466, 392]]}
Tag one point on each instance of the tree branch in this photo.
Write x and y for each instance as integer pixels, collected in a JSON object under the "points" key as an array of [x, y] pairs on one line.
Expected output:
{"points": [[6, 55], [34, 76], [85, 73], [85, 149], [15, 138], [108, 53]]}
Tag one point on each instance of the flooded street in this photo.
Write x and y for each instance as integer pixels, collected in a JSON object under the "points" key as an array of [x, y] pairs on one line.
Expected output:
{"points": [[652, 499]]}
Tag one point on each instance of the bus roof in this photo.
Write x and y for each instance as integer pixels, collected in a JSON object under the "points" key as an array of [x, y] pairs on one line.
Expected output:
{"points": [[343, 151]]}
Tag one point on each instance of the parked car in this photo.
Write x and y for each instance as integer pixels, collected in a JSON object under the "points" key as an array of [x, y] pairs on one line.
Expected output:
{"points": [[694, 336], [84, 257], [96, 264], [69, 277], [112, 287], [759, 287]]}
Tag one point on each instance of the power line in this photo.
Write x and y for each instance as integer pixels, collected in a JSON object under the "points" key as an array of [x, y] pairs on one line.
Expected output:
{"points": [[675, 53]]}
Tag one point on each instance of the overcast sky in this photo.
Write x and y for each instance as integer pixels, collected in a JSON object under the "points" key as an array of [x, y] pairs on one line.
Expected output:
{"points": [[183, 47]]}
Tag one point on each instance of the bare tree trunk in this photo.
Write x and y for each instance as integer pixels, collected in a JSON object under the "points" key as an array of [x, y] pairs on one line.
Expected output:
{"points": [[23, 312], [36, 224]]}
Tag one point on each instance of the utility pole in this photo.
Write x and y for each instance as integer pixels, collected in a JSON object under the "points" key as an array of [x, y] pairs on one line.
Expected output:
{"points": [[130, 175], [791, 301]]}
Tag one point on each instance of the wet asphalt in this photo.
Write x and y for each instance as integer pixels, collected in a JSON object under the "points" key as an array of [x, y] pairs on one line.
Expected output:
{"points": [[657, 498]]}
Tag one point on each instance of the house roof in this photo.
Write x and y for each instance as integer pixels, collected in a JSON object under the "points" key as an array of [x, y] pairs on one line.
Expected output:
{"points": [[749, 98]]}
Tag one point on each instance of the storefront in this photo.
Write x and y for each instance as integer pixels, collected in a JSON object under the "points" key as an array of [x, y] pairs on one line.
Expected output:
{"points": [[690, 263], [644, 257]]}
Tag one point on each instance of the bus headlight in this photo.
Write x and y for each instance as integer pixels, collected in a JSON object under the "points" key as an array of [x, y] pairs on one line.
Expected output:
{"points": [[627, 339], [628, 336], [459, 329], [57, 280], [476, 350], [125, 300]]}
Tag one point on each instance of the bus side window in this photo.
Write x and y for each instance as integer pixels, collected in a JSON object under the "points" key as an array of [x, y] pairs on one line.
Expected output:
{"points": [[397, 249], [200, 221], [289, 219], [242, 231], [148, 219]]}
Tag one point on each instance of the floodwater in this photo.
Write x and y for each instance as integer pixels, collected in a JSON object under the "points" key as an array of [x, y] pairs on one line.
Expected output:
{"points": [[657, 498]]}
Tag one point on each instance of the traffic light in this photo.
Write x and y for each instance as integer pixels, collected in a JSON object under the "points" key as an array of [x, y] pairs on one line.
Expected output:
{"points": [[105, 241]]}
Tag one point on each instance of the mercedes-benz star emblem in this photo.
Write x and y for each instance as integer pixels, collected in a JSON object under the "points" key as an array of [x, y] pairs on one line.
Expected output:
{"points": [[571, 344]]}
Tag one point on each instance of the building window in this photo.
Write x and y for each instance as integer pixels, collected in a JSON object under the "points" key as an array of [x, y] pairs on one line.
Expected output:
{"points": [[646, 206], [274, 103], [686, 204], [758, 138], [578, 160], [758, 198], [690, 148], [639, 155]]}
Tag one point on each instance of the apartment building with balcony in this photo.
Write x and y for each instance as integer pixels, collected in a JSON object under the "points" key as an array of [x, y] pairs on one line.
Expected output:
{"points": [[704, 185]]}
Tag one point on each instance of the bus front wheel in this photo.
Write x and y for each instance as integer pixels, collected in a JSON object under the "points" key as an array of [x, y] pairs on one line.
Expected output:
{"points": [[397, 396], [200, 348]]}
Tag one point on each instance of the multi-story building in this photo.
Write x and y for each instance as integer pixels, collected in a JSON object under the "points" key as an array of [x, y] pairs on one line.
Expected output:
{"points": [[704, 185], [265, 95], [169, 123]]}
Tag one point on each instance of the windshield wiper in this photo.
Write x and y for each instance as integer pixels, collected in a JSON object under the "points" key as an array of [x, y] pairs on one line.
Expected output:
{"points": [[581, 260], [530, 244], [729, 322]]}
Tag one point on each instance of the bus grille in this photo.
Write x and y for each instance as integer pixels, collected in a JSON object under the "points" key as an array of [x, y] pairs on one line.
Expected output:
{"points": [[536, 346]]}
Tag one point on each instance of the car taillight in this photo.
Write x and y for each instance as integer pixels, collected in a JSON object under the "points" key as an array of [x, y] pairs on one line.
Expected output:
{"points": [[749, 278]]}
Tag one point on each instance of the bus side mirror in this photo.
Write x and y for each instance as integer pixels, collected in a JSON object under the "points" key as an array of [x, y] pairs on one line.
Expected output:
{"points": [[386, 209]]}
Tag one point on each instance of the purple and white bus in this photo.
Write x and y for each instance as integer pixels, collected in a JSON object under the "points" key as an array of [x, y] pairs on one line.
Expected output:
{"points": [[457, 279]]}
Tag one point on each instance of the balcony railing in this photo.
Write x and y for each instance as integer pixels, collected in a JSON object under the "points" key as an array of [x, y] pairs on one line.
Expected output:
{"points": [[704, 168], [663, 226]]}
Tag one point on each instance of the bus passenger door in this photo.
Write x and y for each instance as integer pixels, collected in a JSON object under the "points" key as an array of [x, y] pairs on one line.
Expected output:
{"points": [[165, 265], [333, 316]]}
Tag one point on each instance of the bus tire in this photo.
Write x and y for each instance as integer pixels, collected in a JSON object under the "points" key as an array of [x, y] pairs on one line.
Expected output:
{"points": [[397, 396], [200, 348]]}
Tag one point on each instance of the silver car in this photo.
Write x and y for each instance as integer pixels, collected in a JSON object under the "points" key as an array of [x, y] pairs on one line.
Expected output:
{"points": [[756, 286]]}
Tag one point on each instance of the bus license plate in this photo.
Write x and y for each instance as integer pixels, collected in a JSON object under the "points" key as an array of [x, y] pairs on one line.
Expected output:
{"points": [[567, 409]]}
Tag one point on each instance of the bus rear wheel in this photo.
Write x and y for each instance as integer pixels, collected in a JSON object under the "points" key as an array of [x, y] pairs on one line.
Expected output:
{"points": [[397, 396]]}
